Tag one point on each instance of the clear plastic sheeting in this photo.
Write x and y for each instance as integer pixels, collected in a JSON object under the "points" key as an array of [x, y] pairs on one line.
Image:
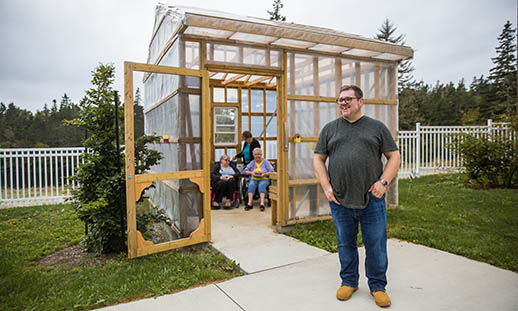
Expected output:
{"points": [[313, 75], [192, 55], [182, 202], [308, 118], [166, 24], [158, 87], [161, 120], [349, 76], [171, 57], [300, 157], [308, 200], [243, 55]]}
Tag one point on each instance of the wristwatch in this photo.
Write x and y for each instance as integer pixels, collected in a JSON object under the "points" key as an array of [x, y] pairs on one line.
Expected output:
{"points": [[384, 182]]}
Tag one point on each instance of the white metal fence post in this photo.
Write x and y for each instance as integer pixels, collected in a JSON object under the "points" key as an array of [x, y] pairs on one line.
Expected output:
{"points": [[418, 148], [489, 128]]}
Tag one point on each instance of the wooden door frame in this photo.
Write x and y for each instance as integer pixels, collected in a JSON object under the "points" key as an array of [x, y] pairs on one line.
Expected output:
{"points": [[135, 184], [279, 187]]}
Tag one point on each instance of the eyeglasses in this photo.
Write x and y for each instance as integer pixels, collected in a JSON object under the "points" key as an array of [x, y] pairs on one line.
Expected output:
{"points": [[346, 100]]}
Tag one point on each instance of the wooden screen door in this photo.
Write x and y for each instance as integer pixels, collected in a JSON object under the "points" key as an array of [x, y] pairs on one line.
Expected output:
{"points": [[189, 188]]}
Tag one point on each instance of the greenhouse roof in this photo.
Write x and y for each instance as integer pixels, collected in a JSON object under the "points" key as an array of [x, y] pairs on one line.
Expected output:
{"points": [[203, 23]]}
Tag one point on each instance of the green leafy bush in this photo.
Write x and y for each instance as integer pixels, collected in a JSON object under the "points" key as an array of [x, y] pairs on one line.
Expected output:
{"points": [[490, 161], [97, 198]]}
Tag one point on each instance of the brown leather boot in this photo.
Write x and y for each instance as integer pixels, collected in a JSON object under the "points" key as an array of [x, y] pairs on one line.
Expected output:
{"points": [[345, 292], [381, 298]]}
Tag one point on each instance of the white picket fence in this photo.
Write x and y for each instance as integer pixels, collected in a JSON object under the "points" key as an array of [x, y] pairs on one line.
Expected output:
{"points": [[41, 176], [426, 150], [34, 176]]}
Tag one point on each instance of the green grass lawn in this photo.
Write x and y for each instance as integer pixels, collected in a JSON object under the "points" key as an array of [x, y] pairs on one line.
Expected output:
{"points": [[27, 234], [440, 212]]}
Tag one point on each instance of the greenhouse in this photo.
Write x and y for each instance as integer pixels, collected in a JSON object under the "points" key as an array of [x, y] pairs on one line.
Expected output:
{"points": [[212, 75]]}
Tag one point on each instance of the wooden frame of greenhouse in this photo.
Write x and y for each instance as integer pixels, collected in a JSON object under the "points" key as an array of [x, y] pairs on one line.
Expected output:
{"points": [[212, 75]]}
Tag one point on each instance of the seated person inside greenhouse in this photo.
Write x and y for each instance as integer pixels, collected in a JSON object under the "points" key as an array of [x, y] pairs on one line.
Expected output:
{"points": [[249, 145], [259, 169], [224, 182]]}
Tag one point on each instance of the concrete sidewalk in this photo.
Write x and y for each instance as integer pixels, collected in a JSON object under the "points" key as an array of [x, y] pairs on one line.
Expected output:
{"points": [[285, 274]]}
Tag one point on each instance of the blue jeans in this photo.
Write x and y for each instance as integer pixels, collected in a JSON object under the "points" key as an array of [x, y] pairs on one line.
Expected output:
{"points": [[261, 184], [373, 222]]}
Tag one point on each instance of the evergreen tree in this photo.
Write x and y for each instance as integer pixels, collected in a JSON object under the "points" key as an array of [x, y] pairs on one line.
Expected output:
{"points": [[483, 94], [16, 125], [97, 198], [138, 115], [275, 15], [503, 74], [387, 32]]}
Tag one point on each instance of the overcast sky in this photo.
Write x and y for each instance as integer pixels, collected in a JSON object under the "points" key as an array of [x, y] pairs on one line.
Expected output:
{"points": [[50, 47]]}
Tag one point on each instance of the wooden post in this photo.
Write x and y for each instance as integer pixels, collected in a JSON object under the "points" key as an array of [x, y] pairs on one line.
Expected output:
{"points": [[358, 81], [293, 149], [129, 142], [338, 81], [313, 193], [282, 167], [205, 150], [182, 154]]}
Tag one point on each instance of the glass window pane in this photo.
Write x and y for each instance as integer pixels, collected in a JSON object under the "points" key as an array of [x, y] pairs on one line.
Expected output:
{"points": [[224, 139], [225, 129], [225, 125]]}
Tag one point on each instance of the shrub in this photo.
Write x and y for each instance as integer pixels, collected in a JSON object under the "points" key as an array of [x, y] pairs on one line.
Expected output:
{"points": [[96, 200], [490, 161]]}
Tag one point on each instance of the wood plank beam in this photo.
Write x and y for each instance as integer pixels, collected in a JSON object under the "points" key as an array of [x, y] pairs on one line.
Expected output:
{"points": [[261, 79], [234, 78]]}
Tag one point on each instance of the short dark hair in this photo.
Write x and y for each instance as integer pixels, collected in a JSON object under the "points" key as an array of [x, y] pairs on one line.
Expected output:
{"points": [[357, 91], [247, 134]]}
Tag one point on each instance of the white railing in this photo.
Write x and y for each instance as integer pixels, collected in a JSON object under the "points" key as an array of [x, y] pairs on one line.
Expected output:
{"points": [[426, 150], [34, 176]]}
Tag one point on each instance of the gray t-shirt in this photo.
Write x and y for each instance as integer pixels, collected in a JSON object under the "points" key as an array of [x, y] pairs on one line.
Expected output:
{"points": [[354, 151]]}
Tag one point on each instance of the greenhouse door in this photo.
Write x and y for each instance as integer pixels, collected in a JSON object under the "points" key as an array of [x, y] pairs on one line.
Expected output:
{"points": [[177, 110]]}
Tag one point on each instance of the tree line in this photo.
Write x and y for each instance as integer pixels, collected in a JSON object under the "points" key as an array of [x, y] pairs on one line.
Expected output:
{"points": [[491, 97], [20, 128]]}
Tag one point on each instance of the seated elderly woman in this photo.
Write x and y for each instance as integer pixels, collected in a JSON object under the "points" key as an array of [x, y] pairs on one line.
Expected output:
{"points": [[258, 169], [224, 180]]}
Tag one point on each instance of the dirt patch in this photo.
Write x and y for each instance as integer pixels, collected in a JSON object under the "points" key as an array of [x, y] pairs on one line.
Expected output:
{"points": [[74, 256]]}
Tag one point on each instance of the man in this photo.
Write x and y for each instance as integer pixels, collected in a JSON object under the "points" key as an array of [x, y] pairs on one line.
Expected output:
{"points": [[355, 184]]}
